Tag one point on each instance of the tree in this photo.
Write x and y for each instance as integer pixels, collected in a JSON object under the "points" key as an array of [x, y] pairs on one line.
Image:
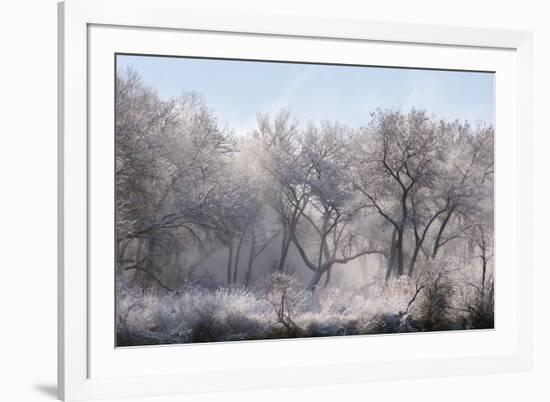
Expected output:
{"points": [[423, 177], [171, 157], [231, 216], [281, 160], [331, 206], [395, 159], [466, 181], [483, 241]]}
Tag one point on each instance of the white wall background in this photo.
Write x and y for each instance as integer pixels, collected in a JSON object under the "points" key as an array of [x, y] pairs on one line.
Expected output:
{"points": [[28, 199]]}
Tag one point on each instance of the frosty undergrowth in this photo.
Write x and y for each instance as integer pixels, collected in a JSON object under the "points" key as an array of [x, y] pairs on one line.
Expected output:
{"points": [[280, 308]]}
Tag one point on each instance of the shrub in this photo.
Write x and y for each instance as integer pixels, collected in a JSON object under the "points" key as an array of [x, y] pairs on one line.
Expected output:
{"points": [[390, 323], [435, 302], [281, 308], [288, 300], [480, 313], [207, 327]]}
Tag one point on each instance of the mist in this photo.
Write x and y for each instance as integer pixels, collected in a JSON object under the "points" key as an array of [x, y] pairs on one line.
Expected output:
{"points": [[297, 229]]}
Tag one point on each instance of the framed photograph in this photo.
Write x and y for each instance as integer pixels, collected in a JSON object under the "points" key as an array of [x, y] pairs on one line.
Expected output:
{"points": [[253, 201]]}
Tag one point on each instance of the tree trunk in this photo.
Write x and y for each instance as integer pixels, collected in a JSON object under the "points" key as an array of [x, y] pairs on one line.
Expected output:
{"points": [[391, 261], [237, 256], [248, 274], [400, 233], [483, 262], [139, 276], [327, 279], [229, 261], [414, 257], [437, 243], [483, 274], [122, 245], [314, 280], [399, 249], [285, 245], [139, 249]]}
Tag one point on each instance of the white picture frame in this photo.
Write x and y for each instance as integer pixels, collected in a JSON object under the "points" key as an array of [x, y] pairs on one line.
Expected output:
{"points": [[89, 367]]}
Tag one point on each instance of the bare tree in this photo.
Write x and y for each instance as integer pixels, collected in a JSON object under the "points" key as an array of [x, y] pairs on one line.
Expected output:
{"points": [[465, 181], [332, 206], [394, 159], [171, 156], [206, 217], [282, 161], [424, 178]]}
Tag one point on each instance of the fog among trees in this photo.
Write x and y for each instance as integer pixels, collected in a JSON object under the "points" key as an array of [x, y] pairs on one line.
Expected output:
{"points": [[297, 228]]}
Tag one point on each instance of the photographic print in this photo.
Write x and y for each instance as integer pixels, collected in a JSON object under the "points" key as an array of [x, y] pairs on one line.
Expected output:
{"points": [[271, 200]]}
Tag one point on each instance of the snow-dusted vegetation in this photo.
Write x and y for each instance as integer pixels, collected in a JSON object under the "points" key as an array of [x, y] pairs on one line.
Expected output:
{"points": [[297, 229]]}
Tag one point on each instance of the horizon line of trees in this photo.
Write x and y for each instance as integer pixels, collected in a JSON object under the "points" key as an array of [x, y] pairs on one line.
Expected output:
{"points": [[408, 188]]}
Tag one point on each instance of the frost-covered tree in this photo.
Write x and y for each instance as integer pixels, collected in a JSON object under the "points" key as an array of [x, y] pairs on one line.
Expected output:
{"points": [[171, 159], [424, 177], [280, 159], [332, 206], [224, 236], [465, 183], [395, 158]]}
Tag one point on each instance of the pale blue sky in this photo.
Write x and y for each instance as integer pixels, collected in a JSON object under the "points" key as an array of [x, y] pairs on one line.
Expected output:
{"points": [[237, 90]]}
